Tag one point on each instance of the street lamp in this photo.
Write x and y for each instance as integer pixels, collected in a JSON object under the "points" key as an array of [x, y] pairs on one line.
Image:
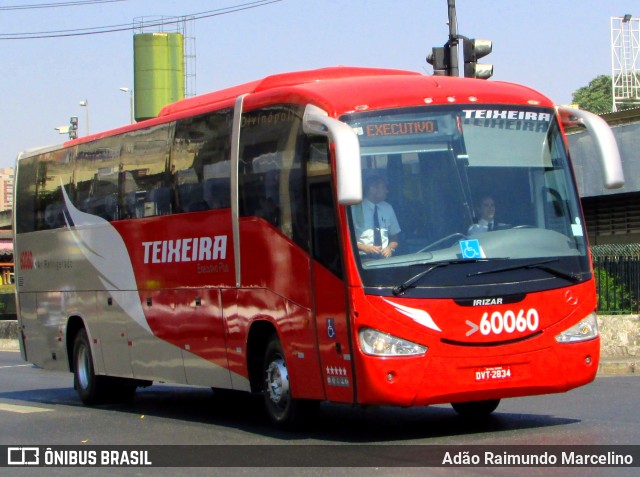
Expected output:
{"points": [[124, 89], [85, 104]]}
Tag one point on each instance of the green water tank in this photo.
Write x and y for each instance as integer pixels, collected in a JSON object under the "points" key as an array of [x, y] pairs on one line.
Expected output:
{"points": [[158, 60]]}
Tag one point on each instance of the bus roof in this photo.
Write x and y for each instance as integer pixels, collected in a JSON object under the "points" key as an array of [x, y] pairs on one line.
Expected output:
{"points": [[279, 81], [341, 89]]}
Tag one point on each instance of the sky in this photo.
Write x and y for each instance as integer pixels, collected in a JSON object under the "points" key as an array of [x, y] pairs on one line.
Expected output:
{"points": [[553, 46]]}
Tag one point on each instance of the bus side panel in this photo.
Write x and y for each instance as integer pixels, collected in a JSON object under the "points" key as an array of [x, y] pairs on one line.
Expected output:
{"points": [[298, 334], [31, 337], [276, 281], [111, 336], [198, 330], [50, 326], [236, 330], [180, 304], [152, 357], [82, 304], [295, 329], [333, 335]]}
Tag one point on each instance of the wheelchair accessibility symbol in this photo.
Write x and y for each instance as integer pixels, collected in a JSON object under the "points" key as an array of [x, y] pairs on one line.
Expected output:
{"points": [[471, 249], [331, 328]]}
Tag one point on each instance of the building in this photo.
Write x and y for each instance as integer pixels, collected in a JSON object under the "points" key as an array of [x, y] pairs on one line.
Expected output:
{"points": [[6, 188], [612, 216], [6, 234]]}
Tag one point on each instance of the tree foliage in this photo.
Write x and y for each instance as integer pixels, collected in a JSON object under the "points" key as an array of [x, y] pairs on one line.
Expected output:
{"points": [[597, 97]]}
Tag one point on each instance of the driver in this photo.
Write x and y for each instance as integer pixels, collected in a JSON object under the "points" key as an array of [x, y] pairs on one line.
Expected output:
{"points": [[376, 225], [486, 210]]}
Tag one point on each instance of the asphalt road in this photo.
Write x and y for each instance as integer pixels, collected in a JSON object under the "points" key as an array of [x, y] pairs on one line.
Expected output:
{"points": [[40, 408]]}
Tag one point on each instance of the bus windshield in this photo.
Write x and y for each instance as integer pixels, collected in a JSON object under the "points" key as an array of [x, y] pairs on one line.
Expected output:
{"points": [[487, 187]]}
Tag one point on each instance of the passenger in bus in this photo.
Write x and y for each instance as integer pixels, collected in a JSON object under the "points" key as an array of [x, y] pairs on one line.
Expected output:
{"points": [[376, 225], [486, 210]]}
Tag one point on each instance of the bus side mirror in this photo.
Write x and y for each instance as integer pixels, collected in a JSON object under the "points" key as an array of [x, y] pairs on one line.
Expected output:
{"points": [[348, 169], [603, 140]]}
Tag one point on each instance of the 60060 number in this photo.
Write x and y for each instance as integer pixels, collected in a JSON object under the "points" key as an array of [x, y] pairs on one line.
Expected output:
{"points": [[508, 322]]}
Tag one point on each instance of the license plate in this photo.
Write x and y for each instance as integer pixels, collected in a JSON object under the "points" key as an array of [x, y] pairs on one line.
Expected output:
{"points": [[494, 373]]}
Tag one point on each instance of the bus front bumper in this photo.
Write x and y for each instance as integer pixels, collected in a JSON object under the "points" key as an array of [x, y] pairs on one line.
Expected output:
{"points": [[475, 374]]}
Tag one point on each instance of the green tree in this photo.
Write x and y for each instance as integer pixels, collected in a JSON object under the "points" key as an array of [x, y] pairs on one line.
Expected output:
{"points": [[597, 97]]}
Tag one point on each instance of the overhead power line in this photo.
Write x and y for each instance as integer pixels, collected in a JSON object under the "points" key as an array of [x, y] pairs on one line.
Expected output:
{"points": [[76, 3], [128, 27]]}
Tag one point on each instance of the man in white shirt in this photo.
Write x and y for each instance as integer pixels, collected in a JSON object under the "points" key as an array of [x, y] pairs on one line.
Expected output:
{"points": [[376, 225], [486, 209]]}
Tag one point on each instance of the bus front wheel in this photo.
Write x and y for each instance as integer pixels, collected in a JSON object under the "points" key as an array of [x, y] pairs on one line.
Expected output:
{"points": [[284, 410]]}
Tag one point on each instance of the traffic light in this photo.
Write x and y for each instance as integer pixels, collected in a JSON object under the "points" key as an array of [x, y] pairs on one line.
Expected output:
{"points": [[473, 51], [73, 127], [439, 58]]}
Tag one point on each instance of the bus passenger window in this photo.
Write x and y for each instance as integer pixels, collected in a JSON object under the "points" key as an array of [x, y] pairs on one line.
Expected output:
{"points": [[143, 172], [96, 193], [200, 162], [271, 178], [52, 169]]}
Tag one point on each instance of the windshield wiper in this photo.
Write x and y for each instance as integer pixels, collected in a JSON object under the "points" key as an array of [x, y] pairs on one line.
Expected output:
{"points": [[573, 277], [411, 282]]}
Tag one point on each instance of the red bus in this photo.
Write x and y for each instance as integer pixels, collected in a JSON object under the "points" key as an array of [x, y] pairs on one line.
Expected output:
{"points": [[317, 236]]}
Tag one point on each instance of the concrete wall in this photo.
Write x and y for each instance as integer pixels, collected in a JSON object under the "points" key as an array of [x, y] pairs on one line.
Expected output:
{"points": [[620, 351]]}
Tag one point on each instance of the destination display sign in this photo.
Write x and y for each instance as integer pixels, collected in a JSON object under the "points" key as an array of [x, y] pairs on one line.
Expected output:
{"points": [[400, 128]]}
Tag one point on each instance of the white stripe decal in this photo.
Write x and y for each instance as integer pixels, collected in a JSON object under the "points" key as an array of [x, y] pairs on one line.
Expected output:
{"points": [[103, 246], [419, 316]]}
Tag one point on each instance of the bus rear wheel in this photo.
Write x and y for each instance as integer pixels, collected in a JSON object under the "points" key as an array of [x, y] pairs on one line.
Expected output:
{"points": [[474, 409], [90, 387], [284, 410]]}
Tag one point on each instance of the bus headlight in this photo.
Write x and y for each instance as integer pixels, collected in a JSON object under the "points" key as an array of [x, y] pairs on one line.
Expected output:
{"points": [[377, 343], [586, 329]]}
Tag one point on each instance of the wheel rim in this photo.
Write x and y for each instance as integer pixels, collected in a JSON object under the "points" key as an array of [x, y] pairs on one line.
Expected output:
{"points": [[277, 379], [83, 367]]}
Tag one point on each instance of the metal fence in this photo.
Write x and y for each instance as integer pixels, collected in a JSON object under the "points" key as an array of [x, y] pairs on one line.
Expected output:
{"points": [[617, 273]]}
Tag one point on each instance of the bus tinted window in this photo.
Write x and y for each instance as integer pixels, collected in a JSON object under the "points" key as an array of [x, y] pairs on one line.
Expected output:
{"points": [[96, 193], [144, 172], [26, 212], [201, 162], [271, 173], [43, 204]]}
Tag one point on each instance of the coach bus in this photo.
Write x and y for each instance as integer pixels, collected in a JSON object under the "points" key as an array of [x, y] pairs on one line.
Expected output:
{"points": [[223, 244]]}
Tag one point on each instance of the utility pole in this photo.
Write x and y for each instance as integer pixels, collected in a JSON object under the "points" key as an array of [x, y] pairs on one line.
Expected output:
{"points": [[453, 39]]}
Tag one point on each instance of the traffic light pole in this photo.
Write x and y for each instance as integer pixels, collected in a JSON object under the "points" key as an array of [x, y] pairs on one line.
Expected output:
{"points": [[445, 58], [453, 39]]}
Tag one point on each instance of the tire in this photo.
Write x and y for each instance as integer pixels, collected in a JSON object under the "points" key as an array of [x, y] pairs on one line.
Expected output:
{"points": [[283, 410], [476, 409], [92, 389]]}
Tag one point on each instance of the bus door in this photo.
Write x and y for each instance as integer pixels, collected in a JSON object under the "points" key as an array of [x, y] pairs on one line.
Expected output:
{"points": [[329, 293]]}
